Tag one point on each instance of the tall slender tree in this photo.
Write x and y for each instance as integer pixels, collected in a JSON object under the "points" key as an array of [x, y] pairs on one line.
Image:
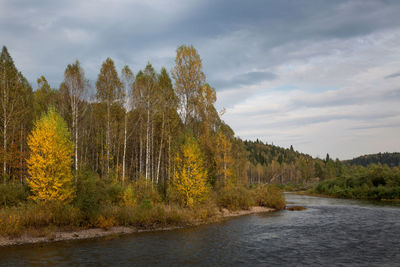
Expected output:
{"points": [[12, 93], [127, 78], [109, 91], [189, 80], [76, 84], [145, 98]]}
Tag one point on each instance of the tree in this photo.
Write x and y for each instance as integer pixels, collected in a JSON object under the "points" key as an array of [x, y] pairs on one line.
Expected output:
{"points": [[166, 112], [43, 97], [223, 158], [189, 81], [127, 79], [76, 83], [13, 91], [145, 98], [109, 91], [50, 160], [189, 180]]}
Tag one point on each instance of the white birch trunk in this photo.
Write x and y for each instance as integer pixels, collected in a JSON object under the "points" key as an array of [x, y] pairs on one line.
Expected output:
{"points": [[148, 145], [124, 153], [159, 154]]}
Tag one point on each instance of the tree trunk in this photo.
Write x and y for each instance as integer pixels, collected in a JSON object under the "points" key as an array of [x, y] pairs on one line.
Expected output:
{"points": [[21, 153], [124, 153], [148, 145], [108, 140], [169, 158], [159, 154], [140, 157], [5, 148]]}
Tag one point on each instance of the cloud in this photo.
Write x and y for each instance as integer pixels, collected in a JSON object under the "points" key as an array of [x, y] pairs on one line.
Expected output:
{"points": [[248, 78], [393, 75], [307, 73]]}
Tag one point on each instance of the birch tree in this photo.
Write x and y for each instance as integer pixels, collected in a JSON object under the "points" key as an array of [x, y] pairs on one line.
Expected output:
{"points": [[189, 80], [109, 91], [11, 101], [144, 95], [76, 83], [127, 79]]}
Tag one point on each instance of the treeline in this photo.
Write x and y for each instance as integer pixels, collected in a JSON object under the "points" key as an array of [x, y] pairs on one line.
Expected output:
{"points": [[376, 181], [390, 159], [273, 164], [132, 127]]}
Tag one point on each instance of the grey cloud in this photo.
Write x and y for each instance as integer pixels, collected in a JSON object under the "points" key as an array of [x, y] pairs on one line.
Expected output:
{"points": [[248, 78], [134, 29], [233, 37], [393, 75], [343, 98]]}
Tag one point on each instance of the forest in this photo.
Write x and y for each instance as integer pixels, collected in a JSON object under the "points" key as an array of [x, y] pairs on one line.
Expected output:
{"points": [[144, 149], [273, 164], [375, 176], [375, 182], [390, 159]]}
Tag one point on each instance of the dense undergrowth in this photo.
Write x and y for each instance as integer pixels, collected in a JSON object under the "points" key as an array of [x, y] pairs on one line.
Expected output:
{"points": [[104, 204], [373, 182]]}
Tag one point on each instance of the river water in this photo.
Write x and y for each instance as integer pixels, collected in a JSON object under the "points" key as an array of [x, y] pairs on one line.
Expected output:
{"points": [[331, 232]]}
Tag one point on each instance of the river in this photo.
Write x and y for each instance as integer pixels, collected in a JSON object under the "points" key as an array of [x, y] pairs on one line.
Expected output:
{"points": [[331, 232]]}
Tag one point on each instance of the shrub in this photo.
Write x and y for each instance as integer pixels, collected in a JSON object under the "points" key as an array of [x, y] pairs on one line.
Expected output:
{"points": [[128, 196], [105, 223], [13, 194], [234, 197], [14, 220], [269, 196], [87, 195], [145, 190]]}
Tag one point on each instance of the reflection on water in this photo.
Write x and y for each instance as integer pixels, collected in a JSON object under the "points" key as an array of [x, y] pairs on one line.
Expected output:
{"points": [[330, 232]]}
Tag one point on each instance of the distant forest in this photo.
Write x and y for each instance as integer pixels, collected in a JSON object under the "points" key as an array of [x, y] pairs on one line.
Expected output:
{"points": [[390, 159], [274, 164]]}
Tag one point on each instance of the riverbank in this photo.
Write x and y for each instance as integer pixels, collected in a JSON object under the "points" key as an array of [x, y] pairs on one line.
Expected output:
{"points": [[116, 231]]}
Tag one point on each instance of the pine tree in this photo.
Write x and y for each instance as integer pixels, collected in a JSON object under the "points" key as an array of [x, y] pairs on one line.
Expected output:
{"points": [[50, 161], [189, 179]]}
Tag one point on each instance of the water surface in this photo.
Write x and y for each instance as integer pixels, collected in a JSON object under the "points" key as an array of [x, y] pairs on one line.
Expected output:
{"points": [[331, 232]]}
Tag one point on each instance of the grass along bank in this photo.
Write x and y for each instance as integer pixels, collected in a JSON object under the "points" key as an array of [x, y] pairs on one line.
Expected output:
{"points": [[137, 206]]}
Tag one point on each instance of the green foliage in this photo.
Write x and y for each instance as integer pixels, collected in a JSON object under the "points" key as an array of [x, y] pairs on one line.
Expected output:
{"points": [[88, 193], [390, 159], [145, 190], [372, 182], [13, 194]]}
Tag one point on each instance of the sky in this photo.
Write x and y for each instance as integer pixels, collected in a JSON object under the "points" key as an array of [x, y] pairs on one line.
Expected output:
{"points": [[323, 76]]}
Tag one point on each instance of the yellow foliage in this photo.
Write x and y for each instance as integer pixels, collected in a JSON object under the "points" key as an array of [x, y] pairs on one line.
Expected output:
{"points": [[106, 223], [223, 158], [50, 161], [128, 197], [189, 180]]}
